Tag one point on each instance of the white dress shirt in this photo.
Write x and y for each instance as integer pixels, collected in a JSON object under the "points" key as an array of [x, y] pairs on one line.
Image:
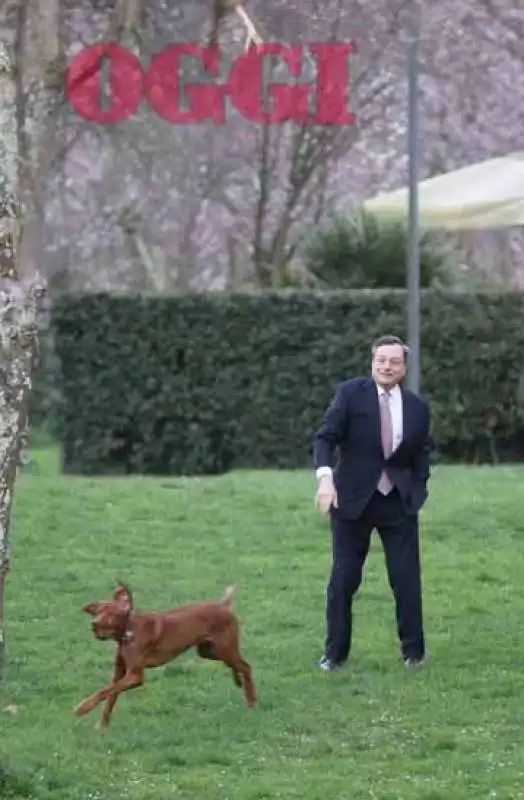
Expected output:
{"points": [[395, 404]]}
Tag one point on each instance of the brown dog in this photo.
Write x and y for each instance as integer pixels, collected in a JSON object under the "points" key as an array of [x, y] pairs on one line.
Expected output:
{"points": [[151, 639]]}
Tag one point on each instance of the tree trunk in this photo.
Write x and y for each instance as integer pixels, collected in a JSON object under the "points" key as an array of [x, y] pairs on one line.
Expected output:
{"points": [[19, 303], [8, 226], [17, 342]]}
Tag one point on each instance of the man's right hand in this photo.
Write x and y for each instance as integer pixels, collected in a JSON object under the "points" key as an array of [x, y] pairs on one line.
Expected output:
{"points": [[326, 494]]}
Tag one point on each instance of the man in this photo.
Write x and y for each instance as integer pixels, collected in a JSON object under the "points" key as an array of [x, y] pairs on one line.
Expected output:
{"points": [[382, 433]]}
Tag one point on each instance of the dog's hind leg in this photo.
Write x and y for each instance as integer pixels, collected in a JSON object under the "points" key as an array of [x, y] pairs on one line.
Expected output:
{"points": [[206, 650], [226, 649], [244, 669], [237, 680]]}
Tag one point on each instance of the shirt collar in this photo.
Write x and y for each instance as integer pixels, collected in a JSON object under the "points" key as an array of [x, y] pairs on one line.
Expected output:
{"points": [[392, 392]]}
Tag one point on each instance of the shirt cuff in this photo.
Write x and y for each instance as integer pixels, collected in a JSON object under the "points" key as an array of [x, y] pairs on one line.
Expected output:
{"points": [[323, 471]]}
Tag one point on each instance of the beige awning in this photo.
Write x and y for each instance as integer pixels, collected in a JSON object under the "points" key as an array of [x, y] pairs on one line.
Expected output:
{"points": [[483, 196]]}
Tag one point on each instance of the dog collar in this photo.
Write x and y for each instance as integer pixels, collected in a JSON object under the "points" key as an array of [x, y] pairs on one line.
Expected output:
{"points": [[127, 634]]}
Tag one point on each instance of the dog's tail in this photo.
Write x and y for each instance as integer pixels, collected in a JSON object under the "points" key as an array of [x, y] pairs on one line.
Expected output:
{"points": [[227, 597]]}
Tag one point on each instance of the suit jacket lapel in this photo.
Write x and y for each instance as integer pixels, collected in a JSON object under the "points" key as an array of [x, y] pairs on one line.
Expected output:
{"points": [[372, 400], [408, 420]]}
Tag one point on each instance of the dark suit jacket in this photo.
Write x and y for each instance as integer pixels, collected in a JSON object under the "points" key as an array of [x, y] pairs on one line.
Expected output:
{"points": [[352, 425]]}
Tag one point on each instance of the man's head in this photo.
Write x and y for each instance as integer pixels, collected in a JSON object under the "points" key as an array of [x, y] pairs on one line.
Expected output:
{"points": [[388, 361]]}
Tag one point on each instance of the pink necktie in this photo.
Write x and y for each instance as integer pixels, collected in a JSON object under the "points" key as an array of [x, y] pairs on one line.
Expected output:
{"points": [[386, 434]]}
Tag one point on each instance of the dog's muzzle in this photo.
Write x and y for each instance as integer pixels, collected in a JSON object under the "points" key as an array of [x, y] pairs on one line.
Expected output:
{"points": [[99, 632]]}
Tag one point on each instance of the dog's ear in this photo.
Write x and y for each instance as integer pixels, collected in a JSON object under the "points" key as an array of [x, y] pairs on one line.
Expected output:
{"points": [[92, 609], [122, 595]]}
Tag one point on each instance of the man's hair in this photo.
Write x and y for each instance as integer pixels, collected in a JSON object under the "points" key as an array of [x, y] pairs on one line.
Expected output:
{"points": [[388, 339]]}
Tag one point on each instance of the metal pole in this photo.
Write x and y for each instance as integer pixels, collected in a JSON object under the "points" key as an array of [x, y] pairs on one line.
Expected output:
{"points": [[413, 257]]}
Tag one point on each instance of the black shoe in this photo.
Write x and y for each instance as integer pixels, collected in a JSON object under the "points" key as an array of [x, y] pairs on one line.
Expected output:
{"points": [[327, 664]]}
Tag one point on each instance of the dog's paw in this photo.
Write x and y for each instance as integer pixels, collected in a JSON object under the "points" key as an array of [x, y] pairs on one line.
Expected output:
{"points": [[82, 708], [100, 725]]}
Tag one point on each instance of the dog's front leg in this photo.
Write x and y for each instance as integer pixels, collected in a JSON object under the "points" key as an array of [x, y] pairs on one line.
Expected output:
{"points": [[118, 673], [132, 679]]}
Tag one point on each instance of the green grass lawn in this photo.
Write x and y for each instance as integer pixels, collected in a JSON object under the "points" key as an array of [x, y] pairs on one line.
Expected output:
{"points": [[453, 730]]}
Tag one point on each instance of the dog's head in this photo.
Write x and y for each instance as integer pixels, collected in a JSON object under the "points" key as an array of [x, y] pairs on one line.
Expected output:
{"points": [[111, 617]]}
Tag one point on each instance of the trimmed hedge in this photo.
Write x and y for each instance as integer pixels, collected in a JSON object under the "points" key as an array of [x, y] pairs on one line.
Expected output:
{"points": [[206, 383]]}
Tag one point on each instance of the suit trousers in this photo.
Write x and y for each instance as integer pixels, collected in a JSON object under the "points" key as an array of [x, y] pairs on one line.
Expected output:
{"points": [[351, 539]]}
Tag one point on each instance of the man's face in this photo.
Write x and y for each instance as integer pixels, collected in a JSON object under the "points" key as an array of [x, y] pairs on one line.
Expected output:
{"points": [[388, 366]]}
